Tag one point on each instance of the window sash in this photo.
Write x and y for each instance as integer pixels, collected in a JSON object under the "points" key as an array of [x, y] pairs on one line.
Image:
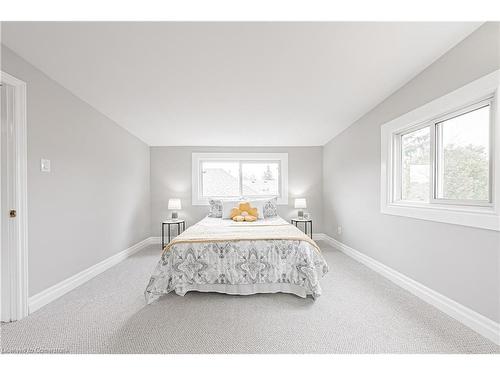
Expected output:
{"points": [[398, 161], [438, 137], [201, 179], [435, 139], [278, 162], [241, 162]]}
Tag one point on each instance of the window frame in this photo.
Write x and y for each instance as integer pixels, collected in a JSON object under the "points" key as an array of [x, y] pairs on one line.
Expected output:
{"points": [[481, 214], [197, 181], [434, 131]]}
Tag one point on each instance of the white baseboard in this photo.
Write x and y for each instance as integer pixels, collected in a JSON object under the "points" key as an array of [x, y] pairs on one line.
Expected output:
{"points": [[157, 240], [479, 323], [50, 294], [319, 237]]}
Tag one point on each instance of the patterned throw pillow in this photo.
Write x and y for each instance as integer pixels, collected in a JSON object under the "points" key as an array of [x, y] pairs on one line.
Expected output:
{"points": [[271, 207], [215, 208]]}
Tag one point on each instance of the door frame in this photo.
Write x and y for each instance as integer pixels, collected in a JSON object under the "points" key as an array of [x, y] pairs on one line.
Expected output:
{"points": [[18, 249]]}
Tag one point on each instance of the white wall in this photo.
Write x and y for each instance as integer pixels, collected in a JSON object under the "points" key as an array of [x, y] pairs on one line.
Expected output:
{"points": [[96, 200], [171, 178], [460, 262]]}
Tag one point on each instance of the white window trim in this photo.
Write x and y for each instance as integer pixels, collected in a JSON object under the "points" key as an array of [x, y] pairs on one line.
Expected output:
{"points": [[197, 158], [486, 217]]}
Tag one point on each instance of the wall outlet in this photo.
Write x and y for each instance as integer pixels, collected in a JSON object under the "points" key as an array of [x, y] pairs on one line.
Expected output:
{"points": [[339, 229]]}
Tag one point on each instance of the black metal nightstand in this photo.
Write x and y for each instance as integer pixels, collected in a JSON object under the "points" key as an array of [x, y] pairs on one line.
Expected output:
{"points": [[169, 222], [297, 220]]}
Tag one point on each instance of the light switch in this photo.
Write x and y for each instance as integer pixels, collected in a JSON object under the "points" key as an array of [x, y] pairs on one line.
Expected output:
{"points": [[45, 165]]}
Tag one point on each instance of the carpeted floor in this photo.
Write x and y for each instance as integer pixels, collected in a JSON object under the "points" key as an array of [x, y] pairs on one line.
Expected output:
{"points": [[359, 312]]}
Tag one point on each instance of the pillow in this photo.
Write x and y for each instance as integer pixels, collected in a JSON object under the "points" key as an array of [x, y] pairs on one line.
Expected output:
{"points": [[271, 207], [266, 207], [244, 212], [215, 208], [227, 206], [259, 205]]}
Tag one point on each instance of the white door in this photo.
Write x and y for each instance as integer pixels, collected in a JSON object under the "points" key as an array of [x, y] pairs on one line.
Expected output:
{"points": [[8, 230], [13, 255]]}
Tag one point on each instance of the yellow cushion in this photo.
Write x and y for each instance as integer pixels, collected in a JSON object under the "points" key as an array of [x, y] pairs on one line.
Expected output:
{"points": [[244, 212]]}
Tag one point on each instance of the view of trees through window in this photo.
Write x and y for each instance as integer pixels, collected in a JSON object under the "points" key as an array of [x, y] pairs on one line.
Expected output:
{"points": [[462, 156], [463, 161], [260, 178], [222, 178]]}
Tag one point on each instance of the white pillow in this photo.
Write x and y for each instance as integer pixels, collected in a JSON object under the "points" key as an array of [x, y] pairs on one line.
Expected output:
{"points": [[258, 203], [227, 206]]}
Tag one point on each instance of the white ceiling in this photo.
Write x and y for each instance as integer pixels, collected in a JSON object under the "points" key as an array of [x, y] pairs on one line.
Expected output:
{"points": [[219, 84]]}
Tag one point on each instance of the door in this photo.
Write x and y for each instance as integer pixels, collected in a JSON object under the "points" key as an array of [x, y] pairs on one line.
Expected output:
{"points": [[13, 239], [7, 199]]}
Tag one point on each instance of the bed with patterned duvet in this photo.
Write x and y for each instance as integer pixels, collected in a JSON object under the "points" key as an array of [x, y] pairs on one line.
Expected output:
{"points": [[218, 255]]}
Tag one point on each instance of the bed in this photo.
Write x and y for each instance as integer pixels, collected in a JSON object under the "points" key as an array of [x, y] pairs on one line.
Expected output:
{"points": [[218, 255]]}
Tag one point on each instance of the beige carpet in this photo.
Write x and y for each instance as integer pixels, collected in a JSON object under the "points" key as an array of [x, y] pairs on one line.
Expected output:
{"points": [[359, 312]]}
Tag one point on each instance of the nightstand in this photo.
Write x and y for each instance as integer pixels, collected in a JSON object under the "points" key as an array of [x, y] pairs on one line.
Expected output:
{"points": [[179, 222], [297, 220]]}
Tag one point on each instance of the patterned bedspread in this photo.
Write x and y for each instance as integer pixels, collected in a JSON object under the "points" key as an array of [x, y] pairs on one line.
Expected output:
{"points": [[218, 255]]}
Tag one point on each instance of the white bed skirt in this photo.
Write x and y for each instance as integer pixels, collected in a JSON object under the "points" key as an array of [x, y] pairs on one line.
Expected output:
{"points": [[245, 289]]}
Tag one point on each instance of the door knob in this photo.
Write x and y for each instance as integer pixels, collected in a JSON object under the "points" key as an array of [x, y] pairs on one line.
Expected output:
{"points": [[13, 213]]}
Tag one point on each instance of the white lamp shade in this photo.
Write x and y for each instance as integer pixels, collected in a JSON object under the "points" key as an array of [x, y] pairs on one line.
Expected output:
{"points": [[174, 204], [300, 203]]}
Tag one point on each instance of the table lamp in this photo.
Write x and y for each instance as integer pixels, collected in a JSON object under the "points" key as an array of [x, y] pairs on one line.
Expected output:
{"points": [[300, 203], [174, 204]]}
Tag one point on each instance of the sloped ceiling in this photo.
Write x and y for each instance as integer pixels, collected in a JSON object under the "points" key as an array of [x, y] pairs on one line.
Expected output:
{"points": [[220, 84]]}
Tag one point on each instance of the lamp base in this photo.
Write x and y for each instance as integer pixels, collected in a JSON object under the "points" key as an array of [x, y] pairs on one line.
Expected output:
{"points": [[174, 215], [301, 214]]}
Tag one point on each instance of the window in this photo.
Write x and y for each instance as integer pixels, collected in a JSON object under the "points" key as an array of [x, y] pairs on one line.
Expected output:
{"points": [[437, 161], [223, 175], [462, 160]]}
